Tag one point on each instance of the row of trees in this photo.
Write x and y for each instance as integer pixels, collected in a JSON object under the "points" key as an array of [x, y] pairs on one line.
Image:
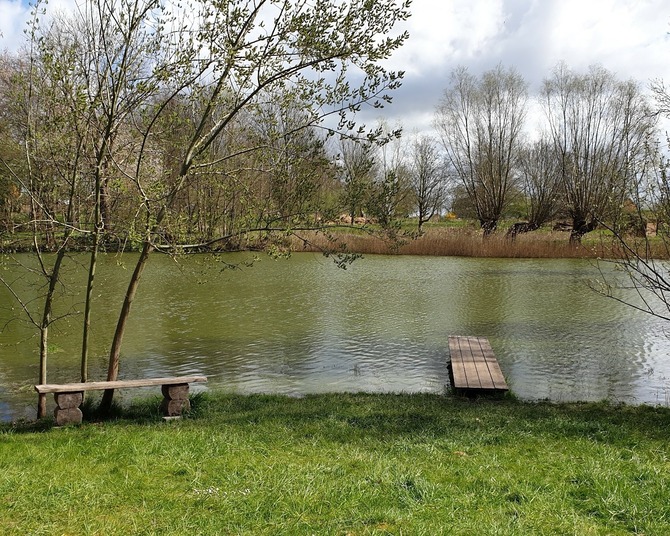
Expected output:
{"points": [[272, 163], [597, 145], [295, 175]]}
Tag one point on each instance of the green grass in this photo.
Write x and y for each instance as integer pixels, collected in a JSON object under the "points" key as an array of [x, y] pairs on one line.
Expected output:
{"points": [[344, 464]]}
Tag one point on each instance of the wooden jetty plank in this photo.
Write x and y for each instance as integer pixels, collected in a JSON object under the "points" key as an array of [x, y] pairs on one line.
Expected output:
{"points": [[487, 363], [493, 366], [474, 365], [474, 379], [457, 367], [479, 360]]}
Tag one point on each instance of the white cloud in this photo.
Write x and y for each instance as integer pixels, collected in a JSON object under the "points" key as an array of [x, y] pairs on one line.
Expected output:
{"points": [[441, 31], [14, 15], [628, 37]]}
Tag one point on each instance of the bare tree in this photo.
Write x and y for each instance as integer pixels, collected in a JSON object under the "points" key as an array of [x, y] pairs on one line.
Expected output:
{"points": [[599, 127], [542, 185], [390, 190], [662, 96], [480, 122], [428, 178], [640, 263], [356, 160]]}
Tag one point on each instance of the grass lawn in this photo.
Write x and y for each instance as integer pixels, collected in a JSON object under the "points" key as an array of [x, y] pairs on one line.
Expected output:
{"points": [[343, 465]]}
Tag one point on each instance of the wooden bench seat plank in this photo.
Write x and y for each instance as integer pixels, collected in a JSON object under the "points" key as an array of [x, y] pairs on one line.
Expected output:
{"points": [[118, 384]]}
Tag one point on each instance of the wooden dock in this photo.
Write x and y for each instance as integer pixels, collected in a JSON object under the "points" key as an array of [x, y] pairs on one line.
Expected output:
{"points": [[474, 367]]}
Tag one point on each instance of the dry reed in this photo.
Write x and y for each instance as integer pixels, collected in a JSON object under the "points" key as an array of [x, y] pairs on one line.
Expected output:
{"points": [[467, 242]]}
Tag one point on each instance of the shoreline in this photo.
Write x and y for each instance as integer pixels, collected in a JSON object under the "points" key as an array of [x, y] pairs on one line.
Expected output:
{"points": [[468, 242], [438, 240]]}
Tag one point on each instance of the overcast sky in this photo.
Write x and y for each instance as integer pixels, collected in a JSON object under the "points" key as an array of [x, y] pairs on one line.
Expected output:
{"points": [[628, 37]]}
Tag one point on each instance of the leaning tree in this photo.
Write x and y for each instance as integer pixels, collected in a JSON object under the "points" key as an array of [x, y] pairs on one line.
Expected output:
{"points": [[223, 58]]}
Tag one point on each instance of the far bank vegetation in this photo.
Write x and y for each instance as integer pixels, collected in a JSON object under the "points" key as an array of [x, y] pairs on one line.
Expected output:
{"points": [[597, 164]]}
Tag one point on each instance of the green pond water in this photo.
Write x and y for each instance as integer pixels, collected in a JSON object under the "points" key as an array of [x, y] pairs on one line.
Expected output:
{"points": [[303, 325]]}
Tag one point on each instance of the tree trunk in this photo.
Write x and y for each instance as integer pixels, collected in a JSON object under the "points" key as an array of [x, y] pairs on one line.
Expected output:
{"points": [[101, 199], [105, 206], [580, 227], [44, 349], [521, 227], [87, 309], [54, 278], [489, 226], [115, 352]]}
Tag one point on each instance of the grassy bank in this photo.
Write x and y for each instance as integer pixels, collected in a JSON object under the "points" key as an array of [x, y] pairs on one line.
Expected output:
{"points": [[344, 464]]}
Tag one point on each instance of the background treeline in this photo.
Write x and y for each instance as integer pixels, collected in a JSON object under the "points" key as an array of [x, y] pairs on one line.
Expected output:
{"points": [[593, 160], [88, 152], [97, 145]]}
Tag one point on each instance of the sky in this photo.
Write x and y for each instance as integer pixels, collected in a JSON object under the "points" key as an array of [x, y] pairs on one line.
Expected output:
{"points": [[628, 37]]}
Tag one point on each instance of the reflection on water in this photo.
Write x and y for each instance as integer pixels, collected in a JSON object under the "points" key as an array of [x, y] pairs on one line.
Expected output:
{"points": [[304, 326]]}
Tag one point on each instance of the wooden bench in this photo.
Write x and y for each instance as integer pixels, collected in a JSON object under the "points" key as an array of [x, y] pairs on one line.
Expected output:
{"points": [[474, 367], [69, 396]]}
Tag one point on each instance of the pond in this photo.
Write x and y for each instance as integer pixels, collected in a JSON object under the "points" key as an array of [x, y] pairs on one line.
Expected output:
{"points": [[303, 325]]}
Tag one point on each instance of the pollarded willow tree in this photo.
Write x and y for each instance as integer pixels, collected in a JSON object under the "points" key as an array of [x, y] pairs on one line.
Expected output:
{"points": [[600, 128], [221, 58], [480, 121], [539, 168]]}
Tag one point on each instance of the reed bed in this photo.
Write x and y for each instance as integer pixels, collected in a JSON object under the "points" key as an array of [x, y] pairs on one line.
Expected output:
{"points": [[467, 242]]}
